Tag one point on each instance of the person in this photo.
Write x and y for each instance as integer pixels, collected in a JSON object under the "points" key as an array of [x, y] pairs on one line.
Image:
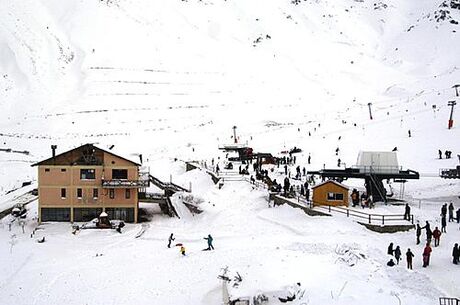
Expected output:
{"points": [[444, 209], [429, 233], [455, 254], [217, 169], [253, 181], [451, 212], [409, 133], [309, 159], [437, 236], [440, 153], [426, 255], [407, 212], [355, 197], [287, 184], [363, 199], [397, 253], [391, 263], [458, 215], [209, 239], [182, 250], [418, 231], [409, 256], [390, 249], [170, 239], [443, 224]]}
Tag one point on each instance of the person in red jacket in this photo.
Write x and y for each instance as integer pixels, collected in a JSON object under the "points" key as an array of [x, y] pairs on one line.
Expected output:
{"points": [[426, 255], [437, 236]]}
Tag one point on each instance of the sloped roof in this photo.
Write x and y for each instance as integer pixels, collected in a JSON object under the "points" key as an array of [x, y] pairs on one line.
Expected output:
{"points": [[79, 156], [331, 181]]}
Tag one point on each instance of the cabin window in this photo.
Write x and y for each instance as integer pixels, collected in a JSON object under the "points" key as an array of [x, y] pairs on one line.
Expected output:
{"points": [[63, 170], [47, 170], [111, 193], [119, 174], [335, 196], [88, 174], [79, 193], [95, 193], [128, 193], [63, 193]]}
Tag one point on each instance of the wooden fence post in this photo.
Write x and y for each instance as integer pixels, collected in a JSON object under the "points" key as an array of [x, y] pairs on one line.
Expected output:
{"points": [[383, 219], [369, 218]]}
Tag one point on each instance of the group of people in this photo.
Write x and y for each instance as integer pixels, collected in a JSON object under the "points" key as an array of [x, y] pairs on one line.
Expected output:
{"points": [[447, 153], [365, 200], [209, 240], [431, 235]]}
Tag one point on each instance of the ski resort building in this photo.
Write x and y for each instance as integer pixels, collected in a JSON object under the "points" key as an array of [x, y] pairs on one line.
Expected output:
{"points": [[330, 193], [79, 184]]}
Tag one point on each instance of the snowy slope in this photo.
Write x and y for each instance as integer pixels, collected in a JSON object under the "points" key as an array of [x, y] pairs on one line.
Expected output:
{"points": [[169, 79]]}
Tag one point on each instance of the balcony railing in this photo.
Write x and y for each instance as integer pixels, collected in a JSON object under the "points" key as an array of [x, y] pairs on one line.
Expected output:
{"points": [[123, 183]]}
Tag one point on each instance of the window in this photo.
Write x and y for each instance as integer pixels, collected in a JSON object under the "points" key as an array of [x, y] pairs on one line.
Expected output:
{"points": [[119, 174], [47, 170], [95, 193], [63, 194], [111, 193], [63, 170], [335, 196], [88, 174], [79, 193], [128, 193]]}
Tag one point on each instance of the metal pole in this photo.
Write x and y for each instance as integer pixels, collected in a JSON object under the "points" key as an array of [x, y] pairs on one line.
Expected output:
{"points": [[234, 134], [370, 111], [451, 104]]}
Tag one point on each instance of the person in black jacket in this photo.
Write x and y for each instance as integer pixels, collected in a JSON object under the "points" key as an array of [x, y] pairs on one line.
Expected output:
{"points": [[407, 212], [409, 256], [451, 212], [455, 254], [418, 232], [390, 249], [397, 253]]}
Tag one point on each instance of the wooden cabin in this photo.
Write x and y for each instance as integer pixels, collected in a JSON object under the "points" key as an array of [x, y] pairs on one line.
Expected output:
{"points": [[330, 193]]}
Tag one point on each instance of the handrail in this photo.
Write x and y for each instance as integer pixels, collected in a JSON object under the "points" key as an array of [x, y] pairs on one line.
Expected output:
{"points": [[349, 212]]}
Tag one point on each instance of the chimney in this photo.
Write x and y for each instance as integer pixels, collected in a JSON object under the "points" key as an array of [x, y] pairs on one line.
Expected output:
{"points": [[53, 148]]}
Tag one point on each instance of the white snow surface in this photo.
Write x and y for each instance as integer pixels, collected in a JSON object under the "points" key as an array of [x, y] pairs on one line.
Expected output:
{"points": [[168, 79]]}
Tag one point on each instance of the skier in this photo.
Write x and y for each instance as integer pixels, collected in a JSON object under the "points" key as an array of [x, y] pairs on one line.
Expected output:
{"points": [[285, 169], [182, 250], [287, 184], [209, 239], [418, 233], [440, 153], [170, 239], [437, 236], [397, 253], [426, 255], [391, 263], [455, 254], [409, 133], [407, 212], [409, 256], [443, 224], [451, 212], [304, 171], [309, 159], [390, 249]]}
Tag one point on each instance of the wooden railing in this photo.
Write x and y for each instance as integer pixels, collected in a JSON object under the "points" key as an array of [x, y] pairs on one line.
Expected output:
{"points": [[370, 217]]}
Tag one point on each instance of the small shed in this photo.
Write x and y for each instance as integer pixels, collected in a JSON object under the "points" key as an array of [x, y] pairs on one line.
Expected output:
{"points": [[330, 193]]}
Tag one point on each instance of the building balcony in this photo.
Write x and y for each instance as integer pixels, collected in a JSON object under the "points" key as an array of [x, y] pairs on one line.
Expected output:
{"points": [[124, 183]]}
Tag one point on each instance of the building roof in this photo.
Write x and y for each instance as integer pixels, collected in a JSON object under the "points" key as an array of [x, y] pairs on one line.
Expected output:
{"points": [[331, 181], [87, 154]]}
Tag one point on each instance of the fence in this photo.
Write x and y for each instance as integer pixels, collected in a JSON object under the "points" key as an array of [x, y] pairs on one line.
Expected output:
{"points": [[448, 301], [376, 218]]}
